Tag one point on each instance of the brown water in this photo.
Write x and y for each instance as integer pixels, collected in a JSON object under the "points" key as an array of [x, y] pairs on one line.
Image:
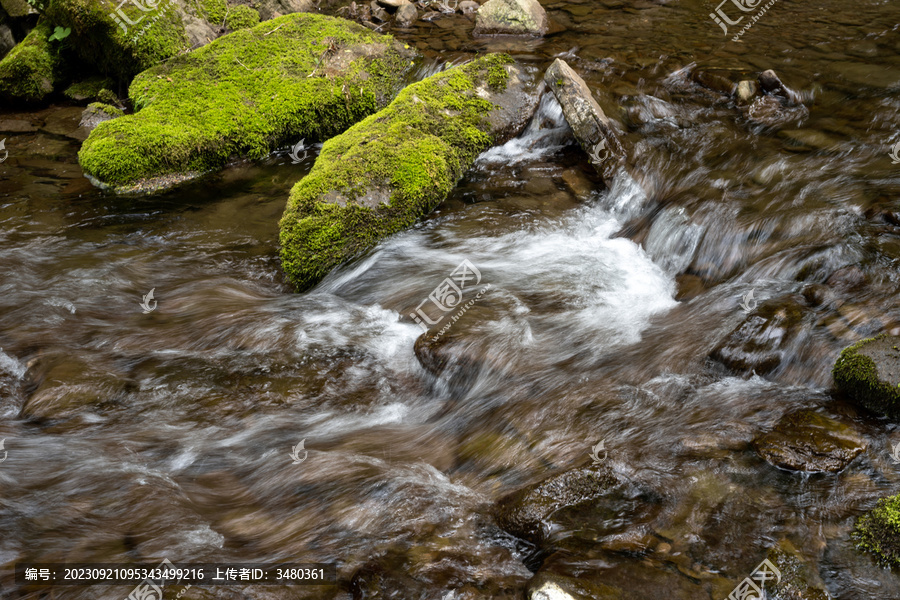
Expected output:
{"points": [[135, 437]]}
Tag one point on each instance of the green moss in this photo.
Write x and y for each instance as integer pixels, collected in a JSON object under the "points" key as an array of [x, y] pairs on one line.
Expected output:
{"points": [[413, 151], [107, 109], [246, 94], [89, 88], [30, 70], [104, 44], [498, 77], [856, 375], [213, 10], [878, 531], [241, 17], [107, 96]]}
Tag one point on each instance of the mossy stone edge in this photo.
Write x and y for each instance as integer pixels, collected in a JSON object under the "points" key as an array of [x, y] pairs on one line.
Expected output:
{"points": [[856, 375], [397, 165]]}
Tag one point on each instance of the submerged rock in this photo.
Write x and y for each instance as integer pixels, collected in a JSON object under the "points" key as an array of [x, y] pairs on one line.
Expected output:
{"points": [[396, 166], [594, 497], [800, 578], [809, 441], [869, 373], [878, 531], [516, 17], [589, 123], [295, 77], [758, 344]]}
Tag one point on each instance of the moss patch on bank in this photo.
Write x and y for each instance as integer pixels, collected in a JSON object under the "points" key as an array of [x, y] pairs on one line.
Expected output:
{"points": [[30, 70], [878, 531], [245, 94], [387, 171], [866, 373]]}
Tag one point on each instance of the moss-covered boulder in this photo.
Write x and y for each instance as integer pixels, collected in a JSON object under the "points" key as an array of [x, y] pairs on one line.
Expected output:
{"points": [[297, 76], [396, 166], [869, 373], [878, 531], [30, 71]]}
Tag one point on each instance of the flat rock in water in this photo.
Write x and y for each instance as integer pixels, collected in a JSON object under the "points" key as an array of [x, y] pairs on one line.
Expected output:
{"points": [[513, 17], [594, 498], [869, 373], [589, 123], [809, 441], [386, 172]]}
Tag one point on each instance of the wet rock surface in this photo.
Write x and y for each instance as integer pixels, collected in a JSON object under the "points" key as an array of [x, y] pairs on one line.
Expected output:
{"points": [[595, 496], [809, 441], [760, 342], [591, 126]]}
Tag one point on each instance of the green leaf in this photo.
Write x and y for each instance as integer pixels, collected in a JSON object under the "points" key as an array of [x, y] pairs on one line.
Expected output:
{"points": [[60, 33]]}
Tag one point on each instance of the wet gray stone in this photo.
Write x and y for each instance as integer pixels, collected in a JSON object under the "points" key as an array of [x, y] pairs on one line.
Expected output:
{"points": [[515, 17], [589, 123]]}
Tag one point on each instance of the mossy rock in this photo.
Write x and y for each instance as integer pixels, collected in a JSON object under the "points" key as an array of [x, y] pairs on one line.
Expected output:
{"points": [[869, 373], [297, 76], [878, 531], [30, 71], [98, 112], [241, 17], [89, 89], [396, 166], [117, 48]]}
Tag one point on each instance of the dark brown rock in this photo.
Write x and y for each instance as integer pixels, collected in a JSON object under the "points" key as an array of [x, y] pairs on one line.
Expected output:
{"points": [[809, 441]]}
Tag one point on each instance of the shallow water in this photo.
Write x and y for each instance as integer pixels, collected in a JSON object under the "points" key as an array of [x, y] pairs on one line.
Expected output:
{"points": [[134, 437]]}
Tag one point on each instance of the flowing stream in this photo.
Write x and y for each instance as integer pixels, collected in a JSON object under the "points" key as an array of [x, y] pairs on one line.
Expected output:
{"points": [[133, 436]]}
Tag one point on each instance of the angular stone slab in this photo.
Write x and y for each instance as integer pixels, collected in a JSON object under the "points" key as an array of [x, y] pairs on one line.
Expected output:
{"points": [[869, 373], [396, 166], [589, 123], [299, 76]]}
